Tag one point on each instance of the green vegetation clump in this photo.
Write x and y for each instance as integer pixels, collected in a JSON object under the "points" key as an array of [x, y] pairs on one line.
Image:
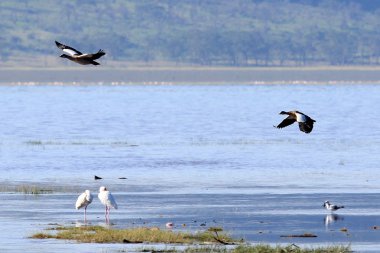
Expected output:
{"points": [[98, 234], [214, 238]]}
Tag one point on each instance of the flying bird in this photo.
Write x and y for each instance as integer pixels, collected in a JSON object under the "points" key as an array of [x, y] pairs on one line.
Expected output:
{"points": [[331, 207], [83, 201], [78, 57], [107, 200], [305, 123]]}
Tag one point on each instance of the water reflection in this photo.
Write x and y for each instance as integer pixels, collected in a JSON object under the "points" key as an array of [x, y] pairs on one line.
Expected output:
{"points": [[332, 218], [79, 224]]}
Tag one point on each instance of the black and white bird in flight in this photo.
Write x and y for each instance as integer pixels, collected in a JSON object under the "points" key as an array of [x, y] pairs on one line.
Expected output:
{"points": [[305, 123], [78, 57]]}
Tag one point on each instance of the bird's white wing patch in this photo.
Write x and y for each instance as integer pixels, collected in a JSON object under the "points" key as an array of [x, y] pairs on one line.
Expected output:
{"points": [[301, 117], [70, 52]]}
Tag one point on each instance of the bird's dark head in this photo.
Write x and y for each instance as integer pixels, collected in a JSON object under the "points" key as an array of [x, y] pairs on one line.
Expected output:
{"points": [[283, 112]]}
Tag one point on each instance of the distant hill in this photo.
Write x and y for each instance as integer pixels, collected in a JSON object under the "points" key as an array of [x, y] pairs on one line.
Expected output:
{"points": [[200, 32]]}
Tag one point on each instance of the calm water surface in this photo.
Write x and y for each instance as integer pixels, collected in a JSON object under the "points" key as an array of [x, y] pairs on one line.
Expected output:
{"points": [[209, 147]]}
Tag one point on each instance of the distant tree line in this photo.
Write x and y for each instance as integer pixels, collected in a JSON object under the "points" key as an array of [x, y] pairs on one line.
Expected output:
{"points": [[202, 32]]}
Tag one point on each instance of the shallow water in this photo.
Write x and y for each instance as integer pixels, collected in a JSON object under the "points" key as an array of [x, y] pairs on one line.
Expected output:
{"points": [[193, 152]]}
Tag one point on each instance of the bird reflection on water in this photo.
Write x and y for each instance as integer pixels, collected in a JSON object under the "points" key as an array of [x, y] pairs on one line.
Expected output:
{"points": [[332, 218]]}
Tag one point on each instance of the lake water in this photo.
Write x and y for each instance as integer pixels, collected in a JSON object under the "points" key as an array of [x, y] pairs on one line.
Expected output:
{"points": [[193, 153]]}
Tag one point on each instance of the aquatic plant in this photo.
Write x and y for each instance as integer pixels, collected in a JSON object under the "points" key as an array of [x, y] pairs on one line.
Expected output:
{"points": [[38, 188], [32, 189]]}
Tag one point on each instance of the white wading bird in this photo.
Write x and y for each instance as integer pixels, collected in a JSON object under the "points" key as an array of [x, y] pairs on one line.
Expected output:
{"points": [[83, 201], [305, 123], [331, 207], [78, 57], [107, 199]]}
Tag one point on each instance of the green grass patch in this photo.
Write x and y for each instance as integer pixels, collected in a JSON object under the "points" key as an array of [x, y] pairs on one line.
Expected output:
{"points": [[98, 234], [213, 238]]}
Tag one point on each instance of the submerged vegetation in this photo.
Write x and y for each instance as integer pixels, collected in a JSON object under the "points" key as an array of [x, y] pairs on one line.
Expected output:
{"points": [[26, 189], [35, 188], [32, 189]]}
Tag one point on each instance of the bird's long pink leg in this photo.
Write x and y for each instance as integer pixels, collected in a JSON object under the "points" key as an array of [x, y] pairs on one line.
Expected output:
{"points": [[106, 214]]}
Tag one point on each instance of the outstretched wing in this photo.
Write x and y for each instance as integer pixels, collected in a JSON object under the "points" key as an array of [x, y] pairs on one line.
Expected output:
{"points": [[286, 122], [71, 51], [306, 126], [99, 54]]}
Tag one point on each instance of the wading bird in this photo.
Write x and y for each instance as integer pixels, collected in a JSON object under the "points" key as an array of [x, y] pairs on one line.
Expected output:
{"points": [[107, 200], [83, 201], [305, 123], [78, 57], [331, 207]]}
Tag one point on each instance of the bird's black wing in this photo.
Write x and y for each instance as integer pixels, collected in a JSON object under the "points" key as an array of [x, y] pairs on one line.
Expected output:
{"points": [[62, 46], [286, 122], [99, 54], [306, 126]]}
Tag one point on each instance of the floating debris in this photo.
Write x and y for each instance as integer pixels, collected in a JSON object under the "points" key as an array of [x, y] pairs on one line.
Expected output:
{"points": [[128, 241], [306, 235], [169, 225]]}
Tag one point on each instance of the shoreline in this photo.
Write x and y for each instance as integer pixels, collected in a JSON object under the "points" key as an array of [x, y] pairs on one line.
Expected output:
{"points": [[190, 75]]}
